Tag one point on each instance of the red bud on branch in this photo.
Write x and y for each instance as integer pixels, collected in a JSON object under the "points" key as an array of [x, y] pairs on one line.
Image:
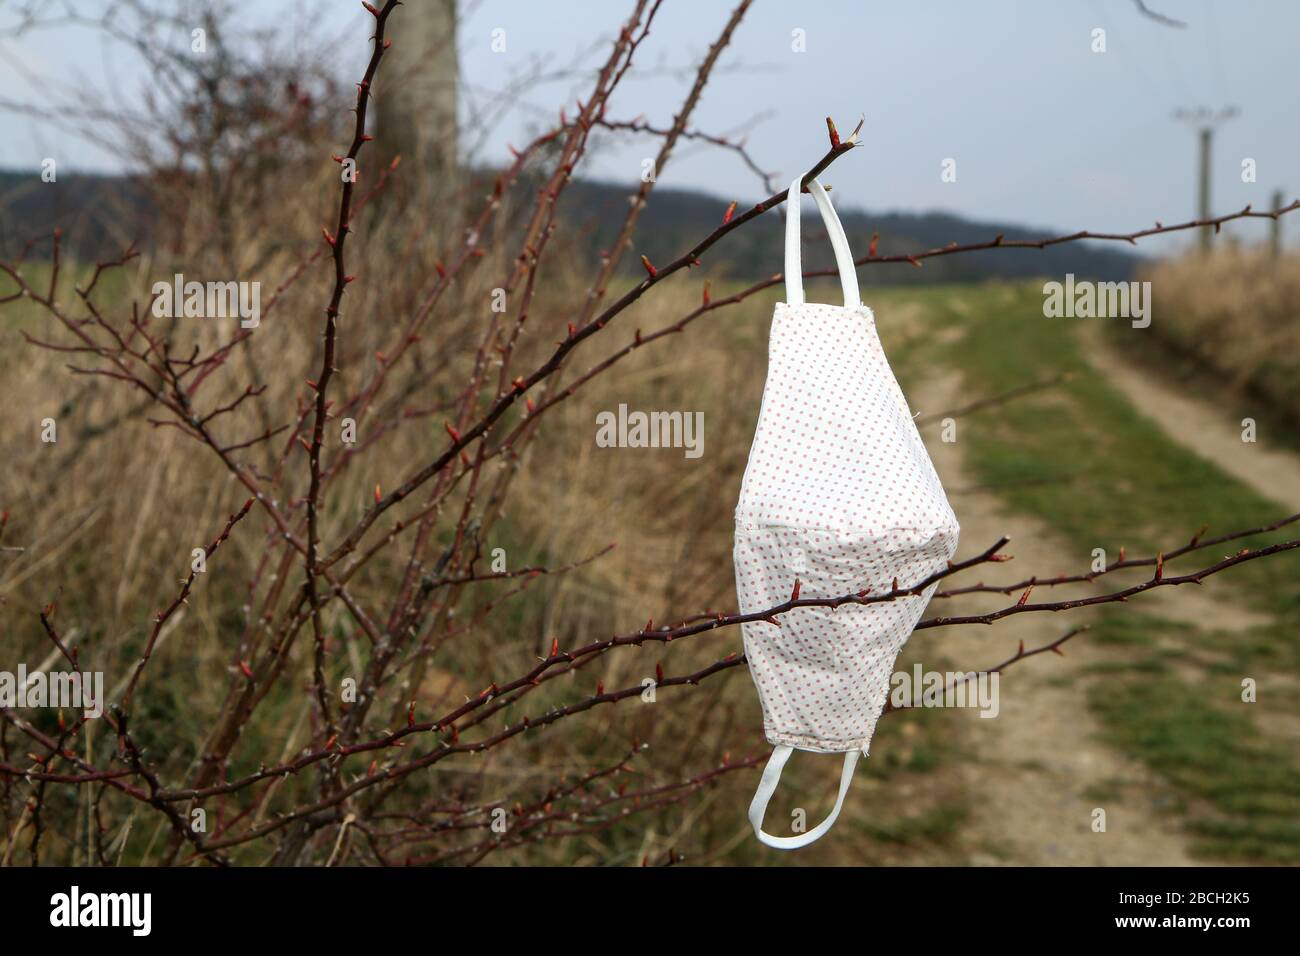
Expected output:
{"points": [[649, 267], [835, 134]]}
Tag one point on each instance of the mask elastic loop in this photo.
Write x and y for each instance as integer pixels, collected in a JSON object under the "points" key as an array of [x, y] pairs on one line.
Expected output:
{"points": [[794, 294], [793, 266], [767, 786]]}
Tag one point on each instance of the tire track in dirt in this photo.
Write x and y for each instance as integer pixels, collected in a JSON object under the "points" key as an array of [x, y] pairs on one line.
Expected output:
{"points": [[1207, 428], [1040, 767]]}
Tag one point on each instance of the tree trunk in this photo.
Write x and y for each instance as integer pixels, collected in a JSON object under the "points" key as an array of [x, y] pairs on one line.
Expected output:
{"points": [[416, 101]]}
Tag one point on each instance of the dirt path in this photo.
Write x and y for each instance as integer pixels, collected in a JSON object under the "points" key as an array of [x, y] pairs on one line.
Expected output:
{"points": [[1041, 768], [1208, 429]]}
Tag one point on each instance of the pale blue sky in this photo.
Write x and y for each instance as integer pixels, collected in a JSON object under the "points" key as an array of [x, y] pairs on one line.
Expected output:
{"points": [[1044, 131]]}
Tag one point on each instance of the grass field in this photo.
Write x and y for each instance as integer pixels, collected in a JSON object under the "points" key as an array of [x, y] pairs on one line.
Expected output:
{"points": [[1078, 460], [1085, 462]]}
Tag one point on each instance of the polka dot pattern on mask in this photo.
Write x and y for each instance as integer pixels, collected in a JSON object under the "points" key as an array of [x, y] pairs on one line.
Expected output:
{"points": [[839, 493]]}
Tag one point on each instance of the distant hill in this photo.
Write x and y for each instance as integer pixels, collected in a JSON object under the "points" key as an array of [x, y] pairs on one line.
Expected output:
{"points": [[674, 219], [99, 215]]}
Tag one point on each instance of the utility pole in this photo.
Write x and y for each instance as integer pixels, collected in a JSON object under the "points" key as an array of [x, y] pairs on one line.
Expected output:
{"points": [[1206, 121]]}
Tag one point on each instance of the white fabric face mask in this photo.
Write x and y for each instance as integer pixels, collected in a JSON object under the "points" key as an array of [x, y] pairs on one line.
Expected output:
{"points": [[840, 495]]}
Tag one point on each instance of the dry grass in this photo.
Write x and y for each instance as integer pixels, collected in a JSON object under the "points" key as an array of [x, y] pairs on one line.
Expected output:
{"points": [[1236, 311], [110, 513]]}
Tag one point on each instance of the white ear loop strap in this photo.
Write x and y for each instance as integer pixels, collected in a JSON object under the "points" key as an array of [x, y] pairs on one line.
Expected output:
{"points": [[767, 786], [839, 242]]}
